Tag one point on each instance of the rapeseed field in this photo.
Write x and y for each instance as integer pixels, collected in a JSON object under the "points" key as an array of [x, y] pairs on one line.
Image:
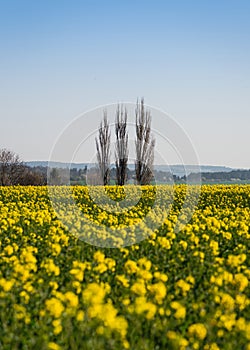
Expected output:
{"points": [[185, 289]]}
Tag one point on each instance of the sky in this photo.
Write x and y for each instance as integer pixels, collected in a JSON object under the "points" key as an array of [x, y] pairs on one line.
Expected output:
{"points": [[190, 59]]}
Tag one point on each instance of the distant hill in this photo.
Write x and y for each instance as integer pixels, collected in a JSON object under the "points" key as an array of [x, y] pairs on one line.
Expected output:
{"points": [[61, 165], [176, 169], [181, 170]]}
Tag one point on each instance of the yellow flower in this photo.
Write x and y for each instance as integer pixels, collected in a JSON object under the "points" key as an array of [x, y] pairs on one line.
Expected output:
{"points": [[54, 307], [161, 311], [159, 290], [42, 313], [145, 263], [183, 343], [236, 260], [123, 280], [164, 242], [241, 281], [50, 267], [8, 250], [227, 235], [126, 344], [220, 333], [184, 244], [198, 330], [180, 309], [144, 274], [101, 268], [23, 294], [99, 257], [161, 276], [94, 294], [56, 249], [172, 335], [190, 279], [6, 284], [141, 305], [53, 346], [151, 310], [95, 310], [53, 285], [100, 330], [214, 245], [227, 301], [242, 301], [72, 299], [228, 321], [212, 346], [184, 286], [77, 286], [110, 263], [80, 316], [200, 254], [139, 288], [131, 266], [241, 324], [125, 251], [78, 273], [126, 302], [57, 327]]}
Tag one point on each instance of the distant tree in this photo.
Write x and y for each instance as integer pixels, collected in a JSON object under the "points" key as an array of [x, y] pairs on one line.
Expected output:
{"points": [[144, 145], [11, 168], [103, 150], [121, 151], [59, 176], [33, 177], [85, 170]]}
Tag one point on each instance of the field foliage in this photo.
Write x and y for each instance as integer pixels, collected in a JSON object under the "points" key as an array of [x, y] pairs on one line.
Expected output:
{"points": [[172, 290]]}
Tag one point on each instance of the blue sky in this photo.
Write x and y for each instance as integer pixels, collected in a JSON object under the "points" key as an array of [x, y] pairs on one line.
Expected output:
{"points": [[189, 58]]}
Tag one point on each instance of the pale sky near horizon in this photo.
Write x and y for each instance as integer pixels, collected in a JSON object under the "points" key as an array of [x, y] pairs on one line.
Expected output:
{"points": [[190, 59]]}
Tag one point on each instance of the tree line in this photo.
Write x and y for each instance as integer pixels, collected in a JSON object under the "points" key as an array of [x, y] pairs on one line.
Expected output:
{"points": [[222, 176], [13, 171], [144, 146]]}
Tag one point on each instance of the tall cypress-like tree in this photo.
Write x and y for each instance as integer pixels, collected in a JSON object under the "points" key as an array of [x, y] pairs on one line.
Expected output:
{"points": [[144, 145], [121, 154], [103, 150]]}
